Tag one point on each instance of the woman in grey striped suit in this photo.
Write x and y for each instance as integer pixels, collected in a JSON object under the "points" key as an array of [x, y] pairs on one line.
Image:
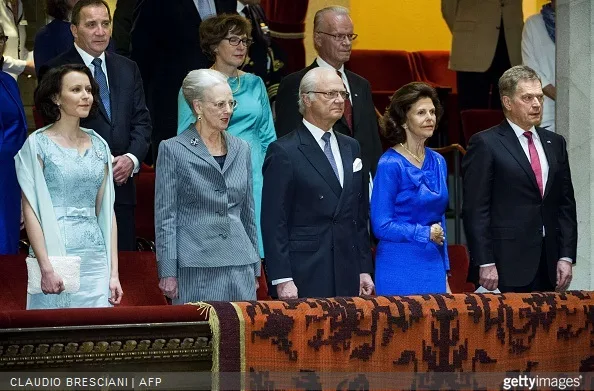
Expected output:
{"points": [[207, 246]]}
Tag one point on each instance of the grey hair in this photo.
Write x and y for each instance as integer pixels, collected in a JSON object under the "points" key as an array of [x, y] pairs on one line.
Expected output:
{"points": [[198, 82], [336, 9], [508, 82], [309, 82]]}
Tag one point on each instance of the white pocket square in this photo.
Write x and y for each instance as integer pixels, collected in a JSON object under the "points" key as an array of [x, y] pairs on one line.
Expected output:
{"points": [[357, 165]]}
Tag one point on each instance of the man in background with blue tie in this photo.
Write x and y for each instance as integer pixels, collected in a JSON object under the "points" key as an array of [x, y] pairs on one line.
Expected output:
{"points": [[123, 119], [314, 212]]}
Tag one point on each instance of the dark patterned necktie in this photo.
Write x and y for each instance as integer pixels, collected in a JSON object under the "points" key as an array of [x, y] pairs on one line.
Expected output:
{"points": [[348, 107], [101, 79]]}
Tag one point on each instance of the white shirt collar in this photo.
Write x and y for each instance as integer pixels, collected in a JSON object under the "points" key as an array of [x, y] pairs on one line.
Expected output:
{"points": [[87, 58], [520, 132], [240, 8], [324, 64], [316, 132]]}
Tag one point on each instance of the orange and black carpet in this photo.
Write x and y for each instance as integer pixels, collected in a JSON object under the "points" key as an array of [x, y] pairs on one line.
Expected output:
{"points": [[386, 342]]}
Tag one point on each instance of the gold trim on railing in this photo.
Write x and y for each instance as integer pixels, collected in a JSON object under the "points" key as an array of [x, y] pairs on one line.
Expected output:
{"points": [[278, 34]]}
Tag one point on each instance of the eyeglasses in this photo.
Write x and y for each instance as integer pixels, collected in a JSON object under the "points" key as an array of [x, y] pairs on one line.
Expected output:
{"points": [[223, 104], [234, 41], [332, 94], [341, 37], [3, 38]]}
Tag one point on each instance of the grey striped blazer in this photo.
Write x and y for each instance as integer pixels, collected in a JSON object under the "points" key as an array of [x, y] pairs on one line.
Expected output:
{"points": [[204, 216]]}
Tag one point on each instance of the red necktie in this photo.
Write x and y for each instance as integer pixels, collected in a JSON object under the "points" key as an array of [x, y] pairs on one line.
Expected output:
{"points": [[534, 161], [348, 108]]}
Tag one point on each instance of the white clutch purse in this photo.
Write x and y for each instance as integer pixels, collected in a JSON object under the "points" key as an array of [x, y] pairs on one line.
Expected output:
{"points": [[67, 267]]}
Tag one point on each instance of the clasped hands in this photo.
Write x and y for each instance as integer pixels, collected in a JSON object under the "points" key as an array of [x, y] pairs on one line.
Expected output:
{"points": [[436, 234], [123, 167]]}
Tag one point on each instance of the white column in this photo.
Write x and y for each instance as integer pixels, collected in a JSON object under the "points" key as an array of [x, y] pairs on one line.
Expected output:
{"points": [[575, 119]]}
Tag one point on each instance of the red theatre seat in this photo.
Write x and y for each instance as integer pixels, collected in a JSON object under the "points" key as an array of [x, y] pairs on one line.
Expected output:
{"points": [[145, 204], [386, 70], [459, 263], [138, 276], [474, 121], [432, 67]]}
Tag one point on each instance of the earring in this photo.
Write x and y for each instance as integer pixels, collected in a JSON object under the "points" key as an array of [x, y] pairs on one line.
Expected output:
{"points": [[59, 105], [405, 126], [198, 117]]}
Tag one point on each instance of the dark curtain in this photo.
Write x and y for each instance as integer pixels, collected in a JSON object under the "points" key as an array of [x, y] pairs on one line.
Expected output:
{"points": [[287, 28]]}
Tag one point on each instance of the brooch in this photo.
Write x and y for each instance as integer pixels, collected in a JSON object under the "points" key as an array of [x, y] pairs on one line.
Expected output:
{"points": [[194, 141], [99, 154]]}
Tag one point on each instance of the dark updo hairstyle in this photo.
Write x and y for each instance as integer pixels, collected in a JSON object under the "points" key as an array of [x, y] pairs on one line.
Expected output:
{"points": [[213, 30], [57, 9], [51, 86], [400, 103]]}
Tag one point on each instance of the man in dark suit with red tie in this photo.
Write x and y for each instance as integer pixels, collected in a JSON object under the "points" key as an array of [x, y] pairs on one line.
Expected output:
{"points": [[519, 207], [333, 38]]}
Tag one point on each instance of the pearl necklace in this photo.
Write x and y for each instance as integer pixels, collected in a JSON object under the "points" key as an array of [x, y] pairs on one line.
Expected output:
{"points": [[418, 159]]}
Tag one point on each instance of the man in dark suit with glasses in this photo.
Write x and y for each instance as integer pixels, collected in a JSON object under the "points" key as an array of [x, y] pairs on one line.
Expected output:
{"points": [[333, 38], [314, 211]]}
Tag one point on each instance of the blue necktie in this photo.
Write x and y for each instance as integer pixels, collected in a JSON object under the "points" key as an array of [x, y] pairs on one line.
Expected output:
{"points": [[205, 10], [101, 79], [329, 154]]}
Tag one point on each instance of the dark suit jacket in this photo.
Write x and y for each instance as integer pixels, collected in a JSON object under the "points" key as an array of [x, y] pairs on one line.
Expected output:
{"points": [[165, 43], [313, 230], [265, 58], [504, 213], [130, 127], [364, 118]]}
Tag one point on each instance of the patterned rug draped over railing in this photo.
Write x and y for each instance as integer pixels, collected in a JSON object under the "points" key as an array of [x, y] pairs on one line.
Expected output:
{"points": [[355, 338]]}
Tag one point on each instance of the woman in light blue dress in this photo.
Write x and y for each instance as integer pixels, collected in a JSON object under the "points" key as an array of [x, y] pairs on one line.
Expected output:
{"points": [[225, 39], [65, 174]]}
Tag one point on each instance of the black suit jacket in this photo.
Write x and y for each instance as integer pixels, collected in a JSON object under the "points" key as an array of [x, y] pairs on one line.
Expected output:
{"points": [[313, 230], [504, 213], [165, 43], [130, 127], [265, 58], [364, 119]]}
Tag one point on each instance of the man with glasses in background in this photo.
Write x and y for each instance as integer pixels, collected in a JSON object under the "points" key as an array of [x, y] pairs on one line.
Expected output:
{"points": [[333, 39], [314, 217]]}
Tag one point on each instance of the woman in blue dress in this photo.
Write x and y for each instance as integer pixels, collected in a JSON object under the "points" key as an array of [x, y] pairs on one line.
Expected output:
{"points": [[13, 132], [225, 39], [409, 199], [66, 178]]}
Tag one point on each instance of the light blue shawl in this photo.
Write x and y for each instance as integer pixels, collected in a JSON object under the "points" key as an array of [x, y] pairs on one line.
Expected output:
{"points": [[32, 181]]}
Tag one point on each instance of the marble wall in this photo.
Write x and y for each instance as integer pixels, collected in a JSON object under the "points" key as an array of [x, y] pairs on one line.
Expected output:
{"points": [[575, 119]]}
